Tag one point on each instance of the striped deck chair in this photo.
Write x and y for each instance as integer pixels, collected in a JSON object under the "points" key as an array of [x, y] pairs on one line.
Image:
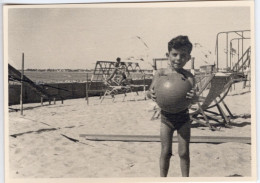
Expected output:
{"points": [[117, 85], [217, 86]]}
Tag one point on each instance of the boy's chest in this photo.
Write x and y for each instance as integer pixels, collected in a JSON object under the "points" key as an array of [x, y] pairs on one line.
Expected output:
{"points": [[167, 72], [180, 75]]}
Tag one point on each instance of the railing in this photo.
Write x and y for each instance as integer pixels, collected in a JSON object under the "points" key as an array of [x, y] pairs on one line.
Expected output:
{"points": [[240, 35], [244, 61]]}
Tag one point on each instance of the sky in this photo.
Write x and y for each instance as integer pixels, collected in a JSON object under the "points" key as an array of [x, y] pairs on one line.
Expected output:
{"points": [[75, 38]]}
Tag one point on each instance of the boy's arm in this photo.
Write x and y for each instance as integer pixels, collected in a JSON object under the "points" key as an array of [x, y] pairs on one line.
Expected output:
{"points": [[155, 77], [192, 93], [150, 93]]}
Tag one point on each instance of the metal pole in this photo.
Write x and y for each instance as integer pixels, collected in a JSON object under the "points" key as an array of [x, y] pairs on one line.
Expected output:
{"points": [[217, 51], [242, 43], [230, 61], [242, 50], [227, 52], [238, 55], [21, 95]]}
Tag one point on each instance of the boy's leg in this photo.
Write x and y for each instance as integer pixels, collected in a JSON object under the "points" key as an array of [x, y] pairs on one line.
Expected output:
{"points": [[166, 134], [183, 148]]}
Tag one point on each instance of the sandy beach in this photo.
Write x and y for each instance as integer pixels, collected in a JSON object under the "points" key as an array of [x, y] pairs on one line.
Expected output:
{"points": [[45, 141], [67, 50]]}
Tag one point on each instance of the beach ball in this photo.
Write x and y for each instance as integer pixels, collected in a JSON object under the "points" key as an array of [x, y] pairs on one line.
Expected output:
{"points": [[171, 91]]}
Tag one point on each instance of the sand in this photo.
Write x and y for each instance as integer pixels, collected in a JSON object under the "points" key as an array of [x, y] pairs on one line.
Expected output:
{"points": [[46, 142]]}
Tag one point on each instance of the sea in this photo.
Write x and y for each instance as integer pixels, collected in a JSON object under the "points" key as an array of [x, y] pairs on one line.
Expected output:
{"points": [[41, 77]]}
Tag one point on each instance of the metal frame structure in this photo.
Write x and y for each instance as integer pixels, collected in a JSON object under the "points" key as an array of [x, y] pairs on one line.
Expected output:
{"points": [[240, 35], [103, 69]]}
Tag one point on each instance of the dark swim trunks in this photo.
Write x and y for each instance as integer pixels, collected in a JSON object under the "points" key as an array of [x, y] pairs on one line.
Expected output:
{"points": [[175, 121]]}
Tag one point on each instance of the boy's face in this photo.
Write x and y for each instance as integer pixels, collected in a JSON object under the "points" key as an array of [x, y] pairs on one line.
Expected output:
{"points": [[178, 58]]}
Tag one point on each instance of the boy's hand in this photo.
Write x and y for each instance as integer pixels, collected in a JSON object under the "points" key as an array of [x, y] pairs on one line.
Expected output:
{"points": [[192, 95], [151, 94]]}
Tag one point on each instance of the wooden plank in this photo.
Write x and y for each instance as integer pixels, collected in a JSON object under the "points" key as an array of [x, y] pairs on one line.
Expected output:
{"points": [[156, 138]]}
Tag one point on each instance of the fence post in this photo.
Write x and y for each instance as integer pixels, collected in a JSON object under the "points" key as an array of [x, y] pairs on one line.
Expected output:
{"points": [[41, 101], [144, 89]]}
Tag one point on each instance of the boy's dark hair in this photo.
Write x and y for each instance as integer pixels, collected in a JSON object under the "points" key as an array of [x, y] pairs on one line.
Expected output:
{"points": [[180, 42]]}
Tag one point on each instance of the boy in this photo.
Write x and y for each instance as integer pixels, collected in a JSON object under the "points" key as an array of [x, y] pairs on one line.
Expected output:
{"points": [[118, 65], [178, 55]]}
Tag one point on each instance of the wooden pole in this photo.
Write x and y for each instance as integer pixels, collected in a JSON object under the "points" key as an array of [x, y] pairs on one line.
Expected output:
{"points": [[54, 100], [41, 100], [144, 88], [87, 90], [21, 95]]}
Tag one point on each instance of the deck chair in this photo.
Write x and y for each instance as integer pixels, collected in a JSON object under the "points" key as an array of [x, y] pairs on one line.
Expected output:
{"points": [[106, 73], [218, 87], [117, 85]]}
